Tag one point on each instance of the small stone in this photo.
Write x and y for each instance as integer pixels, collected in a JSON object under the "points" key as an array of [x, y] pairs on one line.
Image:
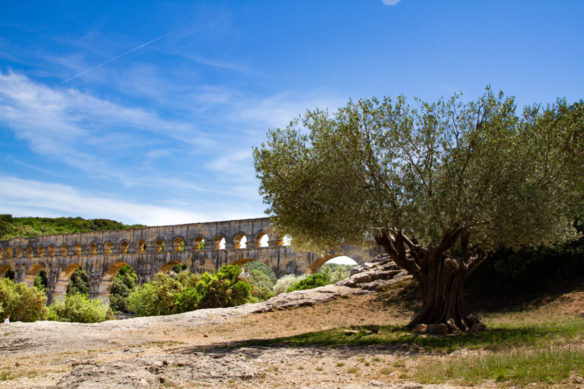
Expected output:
{"points": [[375, 383], [351, 332], [421, 328], [578, 380], [437, 329], [161, 380], [478, 327], [206, 335], [165, 363]]}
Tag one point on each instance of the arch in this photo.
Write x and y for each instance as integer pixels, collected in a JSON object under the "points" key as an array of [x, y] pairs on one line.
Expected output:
{"points": [[31, 273], [141, 246], [92, 248], [108, 247], [317, 264], [124, 246], [19, 252], [51, 250], [240, 241], [178, 244], [40, 251], [29, 251], [219, 242], [63, 250], [242, 261], [285, 240], [107, 280], [1, 252], [159, 245], [4, 268], [60, 289], [199, 243], [262, 239], [77, 249], [168, 266], [8, 252]]}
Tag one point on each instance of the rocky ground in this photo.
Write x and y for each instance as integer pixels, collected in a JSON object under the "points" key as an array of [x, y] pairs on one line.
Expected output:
{"points": [[204, 348]]}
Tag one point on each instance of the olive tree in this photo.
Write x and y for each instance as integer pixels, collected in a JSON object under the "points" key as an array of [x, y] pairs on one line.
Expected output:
{"points": [[437, 185]]}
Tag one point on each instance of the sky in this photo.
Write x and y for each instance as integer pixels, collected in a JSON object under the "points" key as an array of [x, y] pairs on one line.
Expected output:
{"points": [[147, 112]]}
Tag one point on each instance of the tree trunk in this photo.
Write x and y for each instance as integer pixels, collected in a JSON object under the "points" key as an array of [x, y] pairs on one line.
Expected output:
{"points": [[442, 289]]}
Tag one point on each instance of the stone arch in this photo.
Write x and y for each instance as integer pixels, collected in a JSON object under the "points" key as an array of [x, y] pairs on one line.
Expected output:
{"points": [[63, 250], [199, 243], [60, 289], [240, 241], [40, 251], [51, 250], [159, 245], [141, 246], [262, 239], [4, 268], [93, 248], [8, 252], [168, 266], [29, 251], [77, 249], [124, 246], [1, 252], [219, 241], [31, 273], [108, 248], [103, 287], [19, 252], [178, 244], [317, 264], [243, 261]]}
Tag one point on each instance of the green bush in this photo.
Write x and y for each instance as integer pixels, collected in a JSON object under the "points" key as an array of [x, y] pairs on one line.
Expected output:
{"points": [[78, 283], [260, 281], [224, 289], [310, 282], [284, 283], [166, 295], [124, 283], [336, 272], [157, 297], [21, 302], [79, 308]]}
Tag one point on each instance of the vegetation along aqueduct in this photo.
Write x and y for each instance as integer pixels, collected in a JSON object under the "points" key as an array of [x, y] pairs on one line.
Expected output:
{"points": [[150, 250]]}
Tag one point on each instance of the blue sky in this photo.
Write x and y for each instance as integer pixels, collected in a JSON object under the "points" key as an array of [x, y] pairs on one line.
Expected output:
{"points": [[147, 111]]}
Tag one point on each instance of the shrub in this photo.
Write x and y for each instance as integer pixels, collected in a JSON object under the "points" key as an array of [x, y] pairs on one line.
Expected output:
{"points": [[156, 297], [261, 283], [336, 272], [124, 283], [80, 308], [21, 302], [310, 282], [224, 289], [283, 283]]}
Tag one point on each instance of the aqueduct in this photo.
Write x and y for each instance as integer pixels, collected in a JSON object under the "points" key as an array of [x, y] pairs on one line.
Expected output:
{"points": [[149, 250]]}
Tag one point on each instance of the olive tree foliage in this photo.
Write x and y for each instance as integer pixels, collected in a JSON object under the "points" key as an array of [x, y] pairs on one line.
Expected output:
{"points": [[436, 184]]}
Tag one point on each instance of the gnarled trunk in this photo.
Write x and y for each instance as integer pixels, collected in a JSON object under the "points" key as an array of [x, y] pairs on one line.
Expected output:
{"points": [[441, 279], [442, 291]]}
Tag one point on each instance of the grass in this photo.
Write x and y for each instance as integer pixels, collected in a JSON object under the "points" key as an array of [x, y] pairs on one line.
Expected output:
{"points": [[499, 336], [518, 367], [514, 350]]}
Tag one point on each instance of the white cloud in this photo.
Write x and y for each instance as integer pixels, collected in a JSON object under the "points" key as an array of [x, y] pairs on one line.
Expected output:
{"points": [[278, 110], [67, 124], [390, 2], [36, 198]]}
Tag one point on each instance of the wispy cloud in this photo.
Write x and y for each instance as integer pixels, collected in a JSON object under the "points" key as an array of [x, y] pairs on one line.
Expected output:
{"points": [[35, 198], [79, 129], [390, 2]]}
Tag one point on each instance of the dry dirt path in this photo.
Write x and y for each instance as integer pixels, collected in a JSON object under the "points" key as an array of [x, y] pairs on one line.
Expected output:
{"points": [[203, 348], [199, 348]]}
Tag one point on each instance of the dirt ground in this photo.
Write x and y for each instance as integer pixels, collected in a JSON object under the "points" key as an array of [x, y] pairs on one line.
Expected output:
{"points": [[201, 349]]}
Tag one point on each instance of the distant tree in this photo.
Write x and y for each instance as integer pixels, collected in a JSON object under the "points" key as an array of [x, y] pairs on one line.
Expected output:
{"points": [[78, 283], [20, 302], [124, 283], [310, 282], [437, 185], [336, 272]]}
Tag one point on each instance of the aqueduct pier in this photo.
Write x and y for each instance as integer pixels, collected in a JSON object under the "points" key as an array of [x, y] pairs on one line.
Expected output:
{"points": [[150, 250]]}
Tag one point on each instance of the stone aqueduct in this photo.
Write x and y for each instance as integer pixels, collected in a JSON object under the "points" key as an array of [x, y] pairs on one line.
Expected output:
{"points": [[149, 250]]}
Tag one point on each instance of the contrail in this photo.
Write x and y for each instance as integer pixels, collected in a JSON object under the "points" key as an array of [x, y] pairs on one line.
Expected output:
{"points": [[121, 55]]}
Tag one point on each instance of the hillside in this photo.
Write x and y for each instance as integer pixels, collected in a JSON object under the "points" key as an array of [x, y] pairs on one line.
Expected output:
{"points": [[12, 227]]}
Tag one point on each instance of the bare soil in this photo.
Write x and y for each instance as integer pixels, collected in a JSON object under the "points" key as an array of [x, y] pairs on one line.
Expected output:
{"points": [[203, 348]]}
